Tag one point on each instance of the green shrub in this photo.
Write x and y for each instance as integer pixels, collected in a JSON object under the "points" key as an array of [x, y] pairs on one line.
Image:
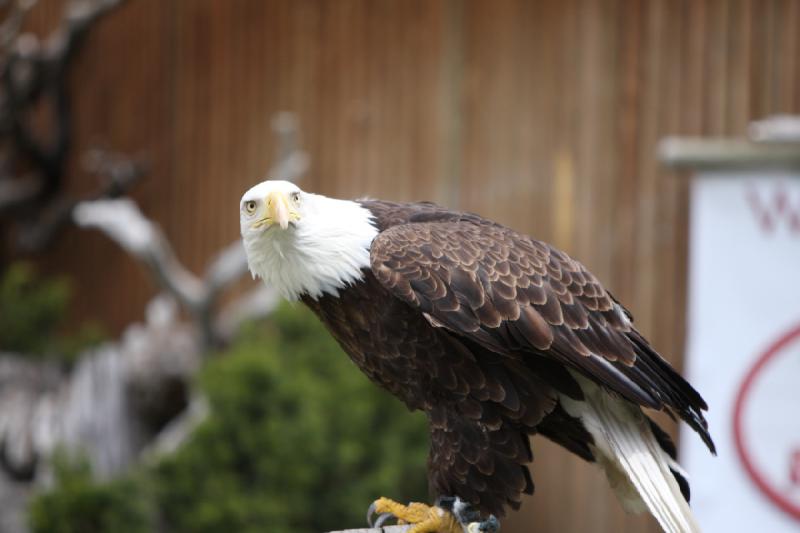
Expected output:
{"points": [[31, 311], [297, 440], [80, 505]]}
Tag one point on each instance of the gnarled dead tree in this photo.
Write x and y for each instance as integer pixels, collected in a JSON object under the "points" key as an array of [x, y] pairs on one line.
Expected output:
{"points": [[131, 399], [128, 400], [33, 165]]}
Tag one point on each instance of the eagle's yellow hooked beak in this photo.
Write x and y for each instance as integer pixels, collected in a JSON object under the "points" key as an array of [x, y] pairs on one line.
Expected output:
{"points": [[279, 211]]}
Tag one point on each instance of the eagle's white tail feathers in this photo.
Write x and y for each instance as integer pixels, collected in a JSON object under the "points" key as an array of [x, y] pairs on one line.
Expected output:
{"points": [[636, 466]]}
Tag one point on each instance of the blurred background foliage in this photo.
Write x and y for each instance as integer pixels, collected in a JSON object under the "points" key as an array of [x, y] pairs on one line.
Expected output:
{"points": [[32, 311], [79, 504], [297, 440]]}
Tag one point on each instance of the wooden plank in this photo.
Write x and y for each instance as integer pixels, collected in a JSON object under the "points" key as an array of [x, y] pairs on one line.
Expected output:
{"points": [[727, 153], [387, 529]]}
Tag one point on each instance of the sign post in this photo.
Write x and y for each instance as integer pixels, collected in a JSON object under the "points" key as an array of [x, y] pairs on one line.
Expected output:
{"points": [[743, 343]]}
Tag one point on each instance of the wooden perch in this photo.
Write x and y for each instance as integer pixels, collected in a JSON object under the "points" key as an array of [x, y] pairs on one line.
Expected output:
{"points": [[384, 529]]}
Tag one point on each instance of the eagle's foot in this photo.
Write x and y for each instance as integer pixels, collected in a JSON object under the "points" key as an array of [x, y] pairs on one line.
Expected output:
{"points": [[423, 518], [468, 516], [490, 525]]}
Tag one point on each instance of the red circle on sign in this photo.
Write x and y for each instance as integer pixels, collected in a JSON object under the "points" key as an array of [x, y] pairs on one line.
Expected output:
{"points": [[758, 478]]}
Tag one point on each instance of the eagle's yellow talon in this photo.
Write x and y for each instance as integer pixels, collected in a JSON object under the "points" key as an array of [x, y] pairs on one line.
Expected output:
{"points": [[424, 518]]}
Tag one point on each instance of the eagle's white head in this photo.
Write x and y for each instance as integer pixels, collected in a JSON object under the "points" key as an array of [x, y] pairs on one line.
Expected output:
{"points": [[304, 243]]}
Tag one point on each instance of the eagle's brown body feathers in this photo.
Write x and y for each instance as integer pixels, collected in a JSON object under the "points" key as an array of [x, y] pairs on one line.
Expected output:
{"points": [[481, 328]]}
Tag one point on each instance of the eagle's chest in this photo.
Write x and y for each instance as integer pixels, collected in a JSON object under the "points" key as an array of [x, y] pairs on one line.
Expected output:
{"points": [[389, 341]]}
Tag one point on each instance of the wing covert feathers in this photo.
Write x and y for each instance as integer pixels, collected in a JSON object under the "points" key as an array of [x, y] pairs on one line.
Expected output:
{"points": [[520, 298]]}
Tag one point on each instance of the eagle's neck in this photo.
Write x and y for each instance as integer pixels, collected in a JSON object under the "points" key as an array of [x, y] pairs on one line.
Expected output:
{"points": [[324, 253]]}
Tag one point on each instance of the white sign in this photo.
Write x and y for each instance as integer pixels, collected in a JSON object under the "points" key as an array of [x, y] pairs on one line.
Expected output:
{"points": [[743, 351]]}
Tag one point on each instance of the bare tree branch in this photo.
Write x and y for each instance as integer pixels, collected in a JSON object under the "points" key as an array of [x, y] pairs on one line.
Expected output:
{"points": [[291, 163], [124, 223], [117, 175], [10, 26], [34, 73], [177, 431], [97, 407]]}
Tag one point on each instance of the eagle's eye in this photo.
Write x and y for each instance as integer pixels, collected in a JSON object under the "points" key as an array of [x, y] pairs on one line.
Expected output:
{"points": [[296, 197], [250, 206]]}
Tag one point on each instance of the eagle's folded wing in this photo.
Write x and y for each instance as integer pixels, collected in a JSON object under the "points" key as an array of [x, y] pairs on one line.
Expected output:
{"points": [[515, 295]]}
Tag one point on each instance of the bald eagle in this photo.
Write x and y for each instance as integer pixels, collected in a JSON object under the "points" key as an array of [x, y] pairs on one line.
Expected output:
{"points": [[494, 335]]}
